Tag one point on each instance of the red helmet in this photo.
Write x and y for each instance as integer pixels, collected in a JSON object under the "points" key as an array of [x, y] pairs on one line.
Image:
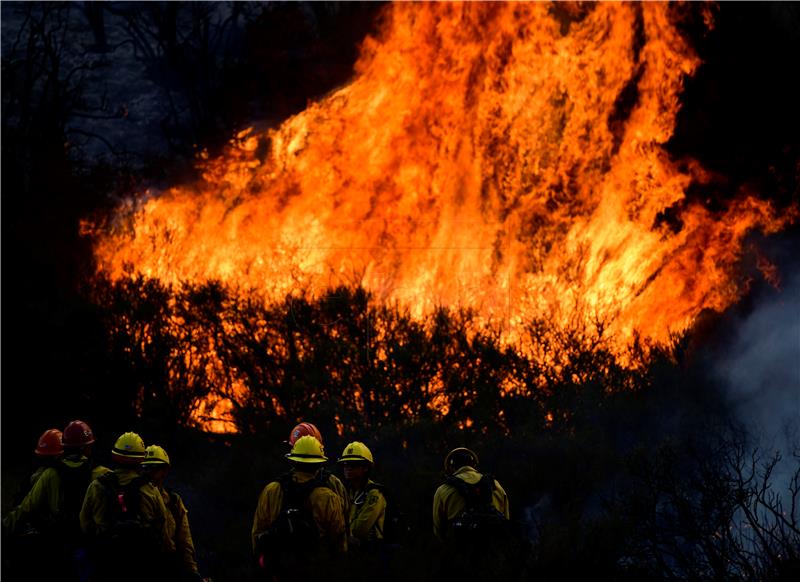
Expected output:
{"points": [[304, 429], [49, 443], [77, 434]]}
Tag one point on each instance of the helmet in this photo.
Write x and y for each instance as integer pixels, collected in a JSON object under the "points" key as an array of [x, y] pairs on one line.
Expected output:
{"points": [[49, 443], [155, 456], [459, 457], [307, 449], [77, 434], [129, 449], [304, 429], [356, 451]]}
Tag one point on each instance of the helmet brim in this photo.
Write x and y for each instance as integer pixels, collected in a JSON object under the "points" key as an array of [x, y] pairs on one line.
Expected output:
{"points": [[353, 459], [306, 459]]}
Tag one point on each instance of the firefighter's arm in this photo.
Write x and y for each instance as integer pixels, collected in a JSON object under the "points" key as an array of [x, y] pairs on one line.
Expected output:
{"points": [[374, 508], [36, 501], [91, 510], [183, 537], [341, 491], [269, 503], [328, 513], [157, 515], [439, 512], [501, 500]]}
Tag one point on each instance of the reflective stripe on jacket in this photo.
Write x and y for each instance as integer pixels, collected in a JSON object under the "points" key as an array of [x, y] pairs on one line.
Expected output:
{"points": [[448, 502]]}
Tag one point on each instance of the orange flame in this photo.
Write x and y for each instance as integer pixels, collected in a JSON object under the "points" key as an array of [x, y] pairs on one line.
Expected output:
{"points": [[488, 155]]}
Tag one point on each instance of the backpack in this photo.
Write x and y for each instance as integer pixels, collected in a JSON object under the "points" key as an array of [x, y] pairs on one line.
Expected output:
{"points": [[127, 528], [295, 526], [74, 481], [396, 530], [480, 521]]}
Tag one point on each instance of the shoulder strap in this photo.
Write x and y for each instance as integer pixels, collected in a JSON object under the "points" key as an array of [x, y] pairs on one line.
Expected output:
{"points": [[126, 499], [73, 482], [137, 482], [458, 484], [74, 479], [110, 481], [295, 494], [479, 493]]}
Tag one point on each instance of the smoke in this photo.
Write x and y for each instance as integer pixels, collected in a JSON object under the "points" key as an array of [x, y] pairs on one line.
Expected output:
{"points": [[760, 370]]}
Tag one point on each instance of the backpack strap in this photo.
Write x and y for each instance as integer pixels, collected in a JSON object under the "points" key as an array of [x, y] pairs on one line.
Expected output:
{"points": [[110, 482], [294, 493], [122, 497], [138, 482], [474, 494], [74, 482]]}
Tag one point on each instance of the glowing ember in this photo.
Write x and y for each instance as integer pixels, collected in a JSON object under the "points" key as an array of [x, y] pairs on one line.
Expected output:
{"points": [[487, 155]]}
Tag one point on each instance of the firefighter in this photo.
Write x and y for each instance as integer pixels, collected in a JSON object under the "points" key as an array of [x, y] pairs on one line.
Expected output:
{"points": [[471, 517], [448, 502], [299, 521], [47, 453], [308, 429], [367, 501], [124, 510], [49, 512], [156, 465]]}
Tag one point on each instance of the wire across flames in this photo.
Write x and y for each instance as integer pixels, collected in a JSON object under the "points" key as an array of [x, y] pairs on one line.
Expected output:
{"points": [[507, 158]]}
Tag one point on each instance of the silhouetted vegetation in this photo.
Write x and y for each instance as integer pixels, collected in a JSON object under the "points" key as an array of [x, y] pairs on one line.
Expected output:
{"points": [[622, 472]]}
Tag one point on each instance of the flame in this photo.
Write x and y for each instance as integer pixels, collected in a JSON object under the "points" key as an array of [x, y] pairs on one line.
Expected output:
{"points": [[505, 157]]}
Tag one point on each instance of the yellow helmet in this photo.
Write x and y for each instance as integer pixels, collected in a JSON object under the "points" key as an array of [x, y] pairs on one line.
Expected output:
{"points": [[128, 449], [307, 449], [458, 458], [356, 451], [155, 456]]}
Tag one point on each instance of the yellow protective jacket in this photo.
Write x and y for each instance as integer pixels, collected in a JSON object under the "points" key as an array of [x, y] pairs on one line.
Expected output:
{"points": [[325, 506], [41, 506], [336, 484], [367, 513], [448, 502], [94, 513], [36, 474], [184, 545]]}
